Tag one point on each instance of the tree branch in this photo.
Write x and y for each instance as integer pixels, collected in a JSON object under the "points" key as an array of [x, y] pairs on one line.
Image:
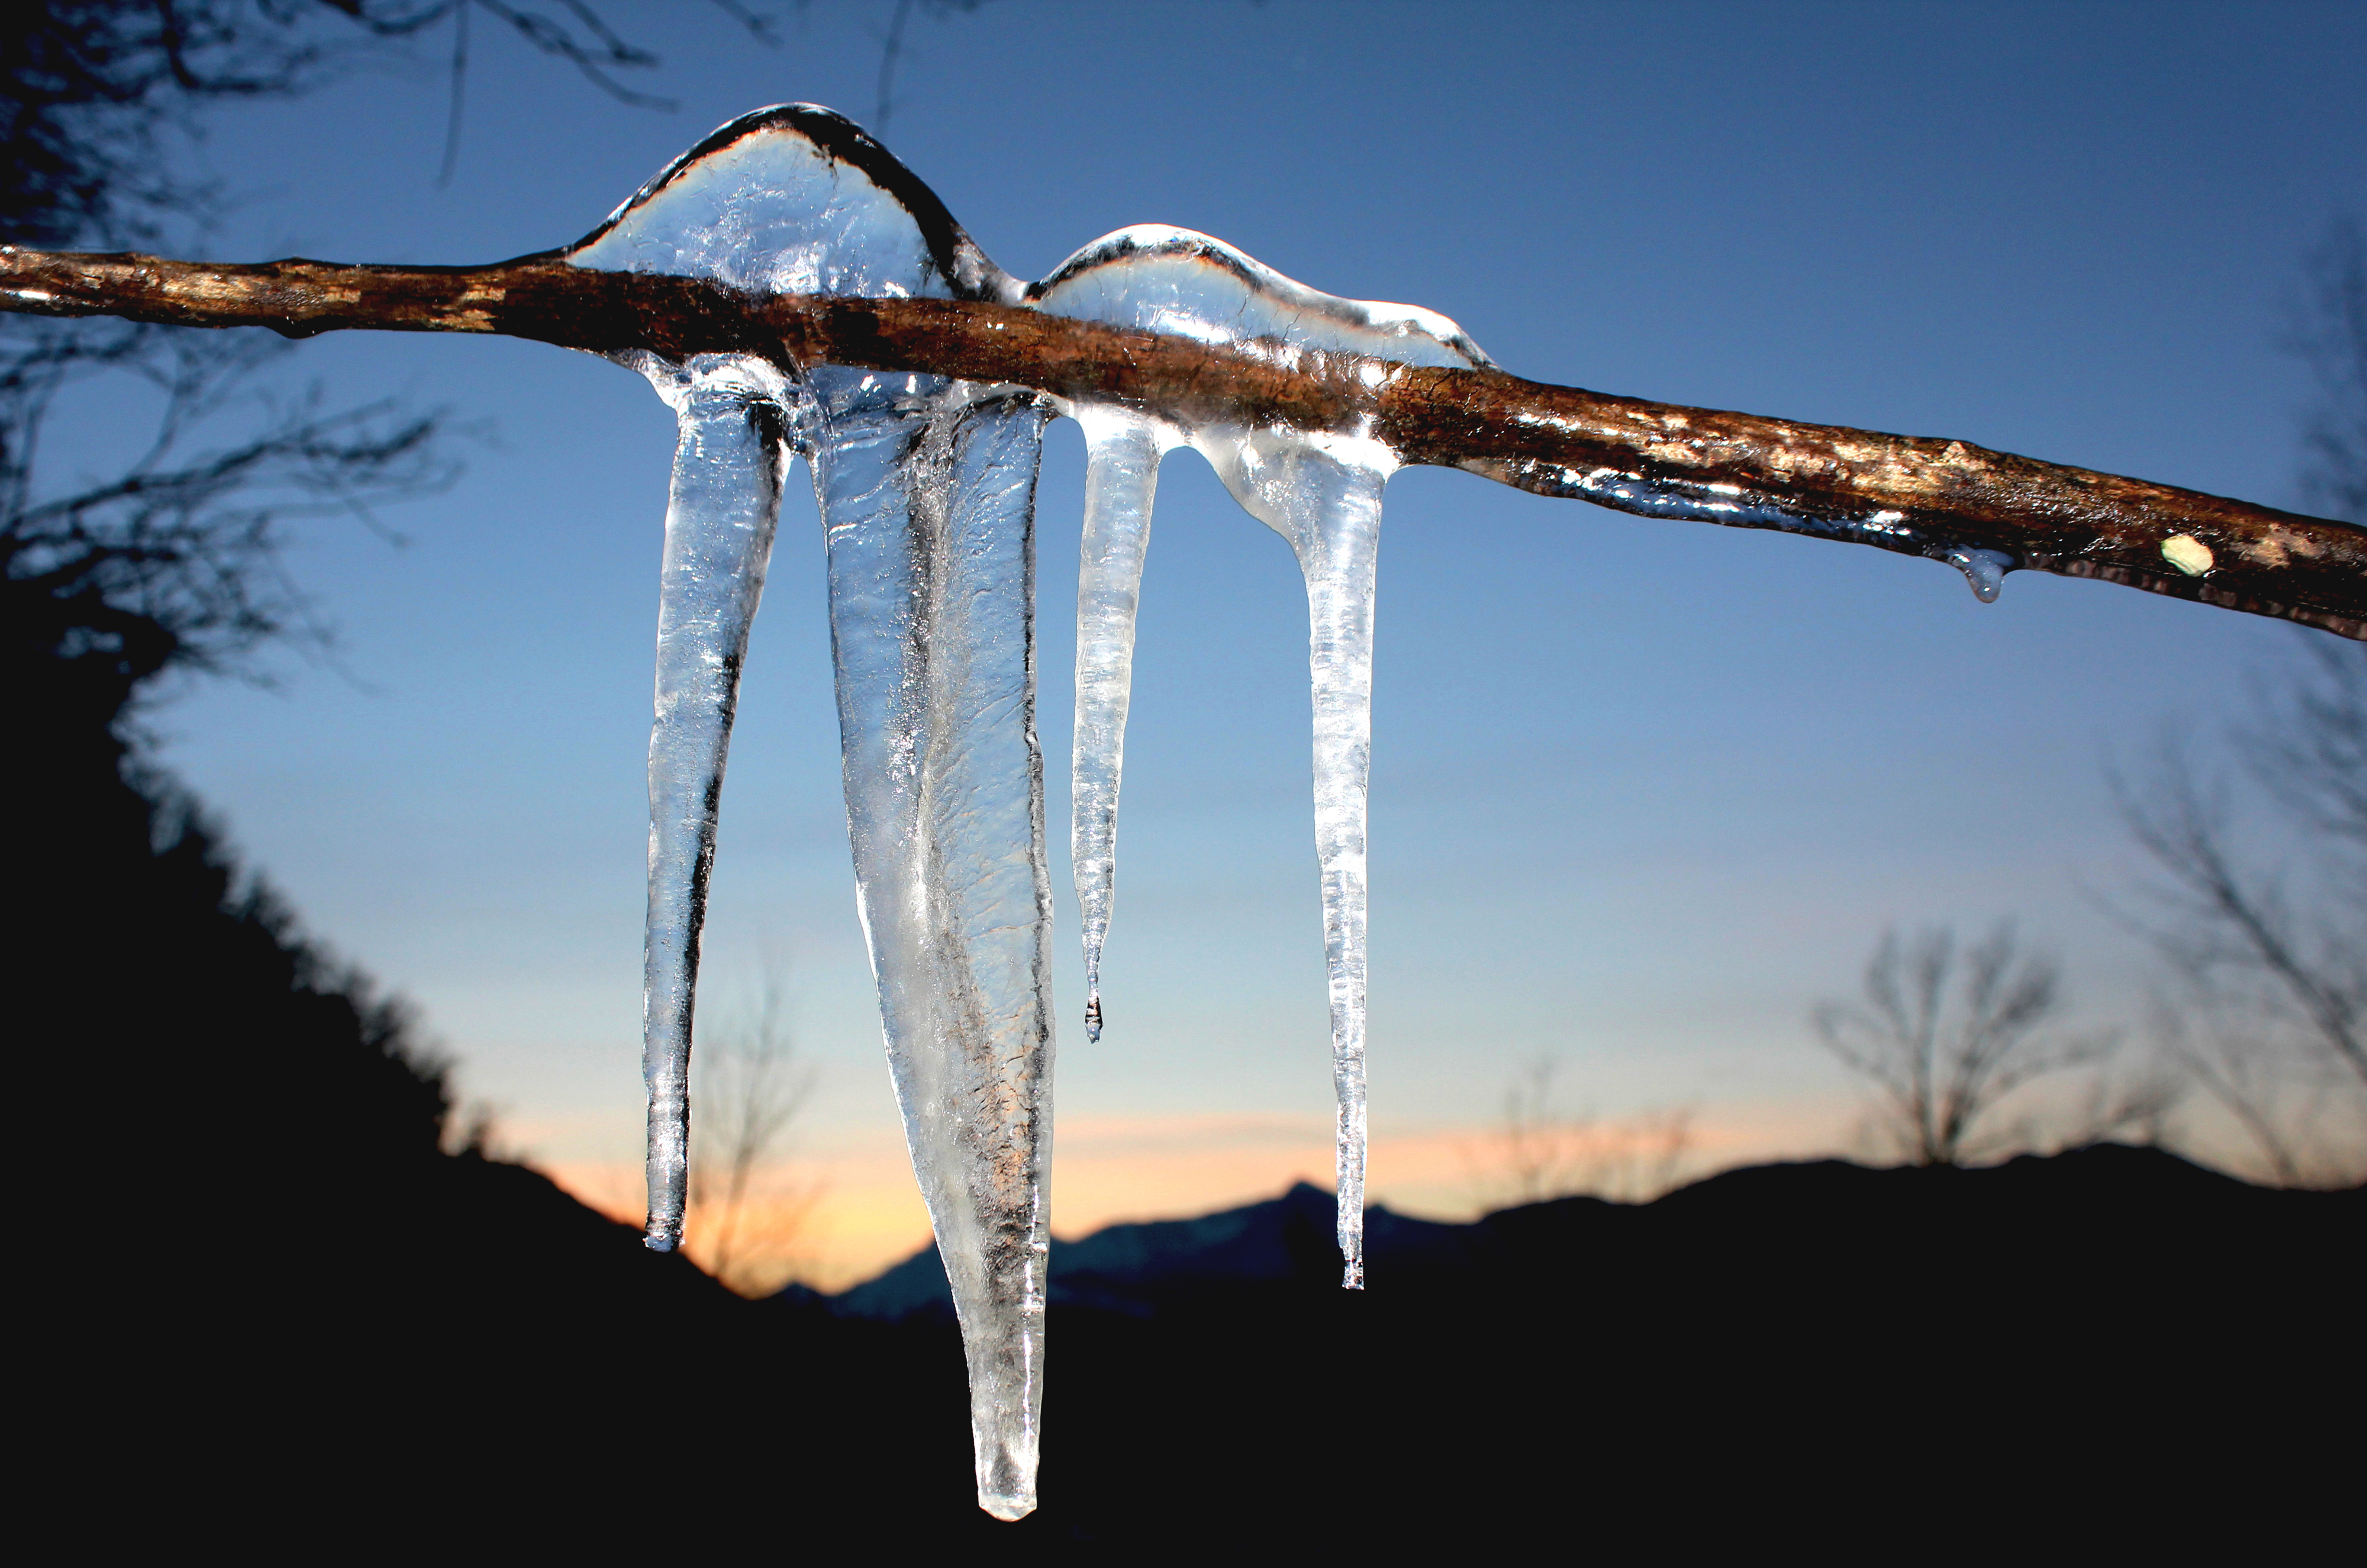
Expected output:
{"points": [[1915, 495]]}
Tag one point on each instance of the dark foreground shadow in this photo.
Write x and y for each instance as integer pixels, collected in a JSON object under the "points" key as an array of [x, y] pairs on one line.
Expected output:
{"points": [[261, 1310]]}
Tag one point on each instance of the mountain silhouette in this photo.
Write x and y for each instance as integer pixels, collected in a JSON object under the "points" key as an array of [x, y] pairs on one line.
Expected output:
{"points": [[2073, 1217], [1136, 1268]]}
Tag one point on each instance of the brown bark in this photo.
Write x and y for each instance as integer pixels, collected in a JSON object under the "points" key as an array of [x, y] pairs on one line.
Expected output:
{"points": [[1918, 495]]}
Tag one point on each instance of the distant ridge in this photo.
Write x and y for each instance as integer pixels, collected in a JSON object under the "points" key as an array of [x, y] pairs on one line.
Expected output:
{"points": [[2114, 1197], [1133, 1268]]}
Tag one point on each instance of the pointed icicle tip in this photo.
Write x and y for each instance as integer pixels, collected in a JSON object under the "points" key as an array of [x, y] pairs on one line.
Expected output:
{"points": [[1094, 1015], [1984, 571]]}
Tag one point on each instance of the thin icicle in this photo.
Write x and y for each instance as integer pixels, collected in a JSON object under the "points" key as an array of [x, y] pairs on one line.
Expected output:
{"points": [[1121, 453], [1320, 490], [1324, 496], [725, 499]]}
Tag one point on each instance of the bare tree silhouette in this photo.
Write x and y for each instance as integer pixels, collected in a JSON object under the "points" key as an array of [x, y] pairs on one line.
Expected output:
{"points": [[2264, 996], [1539, 1151], [1946, 1034], [749, 1087], [2266, 1005], [99, 97]]}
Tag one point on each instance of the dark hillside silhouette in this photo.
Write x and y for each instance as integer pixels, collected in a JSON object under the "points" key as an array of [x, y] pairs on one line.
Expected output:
{"points": [[229, 1151], [261, 1271], [1793, 1353], [1801, 1353]]}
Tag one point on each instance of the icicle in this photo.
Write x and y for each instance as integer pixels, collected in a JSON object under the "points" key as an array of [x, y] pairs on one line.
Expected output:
{"points": [[1984, 571], [1323, 492], [1121, 453], [927, 504], [1324, 496], [927, 495], [927, 492], [725, 499]]}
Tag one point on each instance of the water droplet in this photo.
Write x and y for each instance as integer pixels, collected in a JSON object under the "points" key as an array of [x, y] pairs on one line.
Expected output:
{"points": [[1983, 569]]}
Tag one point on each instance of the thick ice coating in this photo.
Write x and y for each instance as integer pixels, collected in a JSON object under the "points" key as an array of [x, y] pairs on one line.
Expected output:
{"points": [[1320, 490], [927, 494]]}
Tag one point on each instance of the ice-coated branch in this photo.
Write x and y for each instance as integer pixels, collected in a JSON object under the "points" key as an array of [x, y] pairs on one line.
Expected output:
{"points": [[1918, 495]]}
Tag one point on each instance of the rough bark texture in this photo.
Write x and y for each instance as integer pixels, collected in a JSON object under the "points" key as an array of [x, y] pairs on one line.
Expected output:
{"points": [[1918, 495]]}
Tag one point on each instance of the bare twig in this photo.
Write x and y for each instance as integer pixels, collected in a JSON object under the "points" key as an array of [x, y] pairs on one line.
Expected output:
{"points": [[2225, 915], [1915, 495], [889, 48], [2330, 333]]}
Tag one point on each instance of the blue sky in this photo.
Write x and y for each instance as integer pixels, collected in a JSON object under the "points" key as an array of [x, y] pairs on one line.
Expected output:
{"points": [[1643, 791]]}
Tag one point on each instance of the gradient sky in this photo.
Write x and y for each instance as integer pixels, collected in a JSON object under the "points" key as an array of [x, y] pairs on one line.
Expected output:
{"points": [[1642, 791]]}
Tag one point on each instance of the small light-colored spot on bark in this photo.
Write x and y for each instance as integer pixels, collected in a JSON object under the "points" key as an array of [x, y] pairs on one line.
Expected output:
{"points": [[2286, 542], [2187, 553]]}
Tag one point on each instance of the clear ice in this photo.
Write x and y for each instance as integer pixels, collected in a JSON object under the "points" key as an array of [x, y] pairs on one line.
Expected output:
{"points": [[730, 457], [926, 489], [1121, 453], [1321, 491]]}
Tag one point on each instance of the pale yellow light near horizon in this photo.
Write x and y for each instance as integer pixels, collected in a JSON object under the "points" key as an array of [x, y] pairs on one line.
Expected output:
{"points": [[853, 1208]]}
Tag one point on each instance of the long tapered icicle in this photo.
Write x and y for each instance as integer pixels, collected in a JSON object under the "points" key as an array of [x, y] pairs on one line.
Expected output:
{"points": [[927, 492], [1121, 453], [1324, 496], [1337, 553], [927, 505], [721, 512]]}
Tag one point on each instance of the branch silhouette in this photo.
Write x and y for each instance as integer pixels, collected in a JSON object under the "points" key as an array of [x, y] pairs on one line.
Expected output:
{"points": [[1915, 495]]}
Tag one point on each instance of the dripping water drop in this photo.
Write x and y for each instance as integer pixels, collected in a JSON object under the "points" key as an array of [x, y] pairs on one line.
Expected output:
{"points": [[1984, 571]]}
